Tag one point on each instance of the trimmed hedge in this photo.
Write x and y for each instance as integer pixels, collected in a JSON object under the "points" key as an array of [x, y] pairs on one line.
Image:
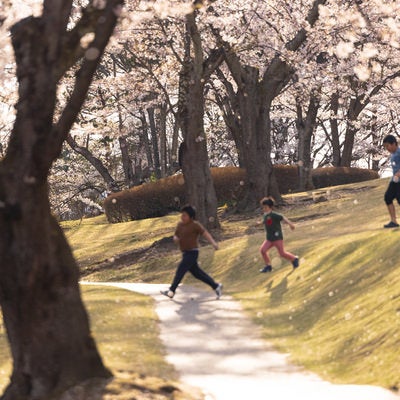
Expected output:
{"points": [[168, 194], [334, 176]]}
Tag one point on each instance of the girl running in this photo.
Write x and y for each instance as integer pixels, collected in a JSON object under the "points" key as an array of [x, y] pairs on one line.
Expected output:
{"points": [[272, 223]]}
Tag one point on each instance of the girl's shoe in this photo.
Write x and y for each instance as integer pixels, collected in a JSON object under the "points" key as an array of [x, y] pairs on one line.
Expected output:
{"points": [[218, 291], [296, 262], [267, 268], [168, 293]]}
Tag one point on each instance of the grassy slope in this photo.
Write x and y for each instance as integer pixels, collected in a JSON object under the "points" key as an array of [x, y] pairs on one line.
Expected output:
{"points": [[126, 330], [338, 315]]}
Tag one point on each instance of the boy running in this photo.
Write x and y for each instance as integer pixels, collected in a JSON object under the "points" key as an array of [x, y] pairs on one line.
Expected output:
{"points": [[187, 237], [272, 223], [393, 191]]}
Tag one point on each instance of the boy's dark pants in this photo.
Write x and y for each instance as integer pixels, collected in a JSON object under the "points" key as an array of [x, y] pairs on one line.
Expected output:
{"points": [[189, 263], [392, 192]]}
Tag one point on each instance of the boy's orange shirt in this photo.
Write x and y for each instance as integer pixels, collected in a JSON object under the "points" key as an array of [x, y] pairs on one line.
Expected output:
{"points": [[188, 235]]}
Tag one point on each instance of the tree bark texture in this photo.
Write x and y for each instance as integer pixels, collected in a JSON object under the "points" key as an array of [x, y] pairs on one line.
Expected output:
{"points": [[154, 142], [336, 148], [46, 322], [195, 162], [163, 140], [146, 142], [255, 95], [249, 128], [130, 178], [305, 129]]}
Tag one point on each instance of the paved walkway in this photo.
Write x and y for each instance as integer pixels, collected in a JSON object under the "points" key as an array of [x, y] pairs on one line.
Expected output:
{"points": [[214, 346]]}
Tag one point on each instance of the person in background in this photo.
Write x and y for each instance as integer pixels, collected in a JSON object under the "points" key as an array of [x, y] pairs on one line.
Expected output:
{"points": [[272, 223], [187, 236], [393, 190]]}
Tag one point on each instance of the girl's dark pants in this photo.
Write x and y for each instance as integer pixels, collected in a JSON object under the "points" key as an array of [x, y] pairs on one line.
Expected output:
{"points": [[189, 264]]}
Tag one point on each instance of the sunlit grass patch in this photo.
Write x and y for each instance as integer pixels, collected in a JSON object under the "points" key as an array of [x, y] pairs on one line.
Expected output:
{"points": [[126, 330], [339, 313], [94, 239]]}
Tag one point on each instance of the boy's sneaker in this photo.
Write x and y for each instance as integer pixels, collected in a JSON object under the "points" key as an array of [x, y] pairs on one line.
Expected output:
{"points": [[218, 291], [267, 268], [391, 224], [296, 262], [168, 293]]}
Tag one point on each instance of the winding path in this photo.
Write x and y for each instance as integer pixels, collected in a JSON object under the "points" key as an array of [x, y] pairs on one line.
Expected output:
{"points": [[214, 346]]}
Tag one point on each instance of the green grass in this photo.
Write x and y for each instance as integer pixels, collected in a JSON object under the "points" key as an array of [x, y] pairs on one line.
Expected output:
{"points": [[94, 240], [339, 314], [126, 330]]}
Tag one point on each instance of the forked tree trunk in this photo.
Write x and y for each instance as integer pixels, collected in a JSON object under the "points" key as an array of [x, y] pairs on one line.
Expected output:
{"points": [[254, 142], [254, 97], [46, 322]]}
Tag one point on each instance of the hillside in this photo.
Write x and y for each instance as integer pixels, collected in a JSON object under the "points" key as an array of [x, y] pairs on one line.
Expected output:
{"points": [[338, 315]]}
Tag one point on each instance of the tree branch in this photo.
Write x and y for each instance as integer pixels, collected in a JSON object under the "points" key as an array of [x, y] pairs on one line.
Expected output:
{"points": [[103, 31], [72, 51]]}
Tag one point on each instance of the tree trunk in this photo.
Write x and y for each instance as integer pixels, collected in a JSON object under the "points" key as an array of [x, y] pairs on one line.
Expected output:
{"points": [[154, 142], [163, 140], [48, 328], [229, 107], [305, 130], [195, 162], [146, 142], [355, 108], [173, 157], [112, 185], [255, 100], [348, 144], [254, 141], [336, 151], [126, 161], [46, 322]]}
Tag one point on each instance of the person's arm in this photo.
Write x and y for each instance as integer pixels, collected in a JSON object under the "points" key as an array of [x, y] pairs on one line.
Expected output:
{"points": [[290, 223], [176, 239], [176, 235], [210, 239]]}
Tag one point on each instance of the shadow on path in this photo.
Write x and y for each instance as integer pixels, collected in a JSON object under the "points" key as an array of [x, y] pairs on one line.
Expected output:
{"points": [[214, 346]]}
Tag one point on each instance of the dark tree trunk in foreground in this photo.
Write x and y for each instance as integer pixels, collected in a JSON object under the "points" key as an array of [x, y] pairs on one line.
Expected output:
{"points": [[46, 321], [195, 72]]}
